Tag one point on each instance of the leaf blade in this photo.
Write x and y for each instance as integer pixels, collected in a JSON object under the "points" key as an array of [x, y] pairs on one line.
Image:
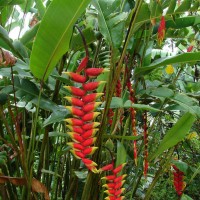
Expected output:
{"points": [[53, 37]]}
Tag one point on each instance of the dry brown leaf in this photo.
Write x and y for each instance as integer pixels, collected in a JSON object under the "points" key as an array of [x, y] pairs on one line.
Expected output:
{"points": [[6, 58], [36, 185]]}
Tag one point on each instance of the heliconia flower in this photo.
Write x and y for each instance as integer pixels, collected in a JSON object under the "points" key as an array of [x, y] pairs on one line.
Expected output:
{"points": [[189, 49], [74, 121], [161, 30], [76, 129], [91, 125], [169, 69], [75, 137], [109, 178], [91, 106], [89, 133], [119, 178], [75, 91], [91, 97], [119, 168], [89, 142], [89, 162], [89, 150], [108, 167], [75, 101], [90, 116], [75, 111], [77, 154], [76, 146], [94, 72], [76, 77], [178, 180], [118, 89], [92, 85], [83, 64]]}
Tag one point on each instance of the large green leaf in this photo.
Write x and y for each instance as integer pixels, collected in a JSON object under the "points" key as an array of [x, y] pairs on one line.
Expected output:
{"points": [[121, 154], [27, 91], [180, 59], [111, 22], [175, 134], [185, 6], [54, 34], [187, 103]]}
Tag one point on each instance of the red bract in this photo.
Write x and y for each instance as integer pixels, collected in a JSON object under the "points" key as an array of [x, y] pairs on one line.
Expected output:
{"points": [[109, 178], [75, 101], [92, 85], [76, 146], [75, 111], [78, 154], [75, 91], [83, 64], [75, 137], [109, 185], [107, 167], [89, 162], [161, 30], [91, 97], [76, 129], [74, 121], [119, 192], [76, 77], [119, 168], [90, 116], [89, 150], [89, 133], [119, 178], [91, 106], [90, 125], [189, 49], [89, 141], [94, 72]]}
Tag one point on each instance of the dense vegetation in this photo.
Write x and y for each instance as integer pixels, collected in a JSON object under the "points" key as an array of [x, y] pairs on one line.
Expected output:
{"points": [[100, 99]]}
